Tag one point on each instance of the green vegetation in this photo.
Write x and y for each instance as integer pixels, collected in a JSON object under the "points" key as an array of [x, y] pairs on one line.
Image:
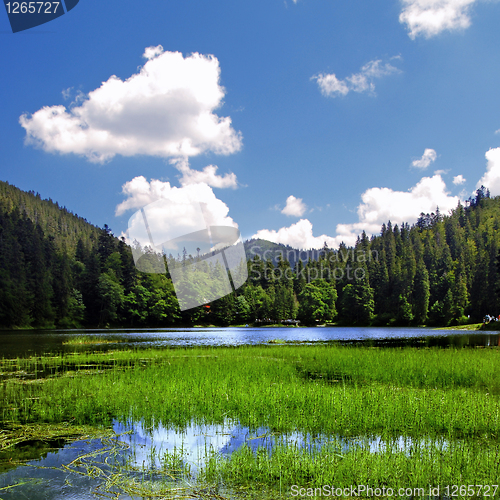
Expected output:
{"points": [[492, 326], [471, 327], [115, 476], [58, 270], [88, 340], [63, 227], [446, 401], [423, 465], [15, 434]]}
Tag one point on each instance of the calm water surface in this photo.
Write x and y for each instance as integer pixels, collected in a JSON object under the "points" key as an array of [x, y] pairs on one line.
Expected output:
{"points": [[32, 342]]}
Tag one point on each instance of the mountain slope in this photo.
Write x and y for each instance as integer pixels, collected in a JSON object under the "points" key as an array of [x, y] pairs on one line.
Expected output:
{"points": [[57, 222]]}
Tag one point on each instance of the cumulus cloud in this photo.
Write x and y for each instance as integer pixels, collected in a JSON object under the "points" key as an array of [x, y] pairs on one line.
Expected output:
{"points": [[430, 17], [140, 192], [294, 207], [298, 235], [183, 207], [331, 86], [378, 206], [167, 109], [459, 179], [207, 176], [382, 204], [491, 178], [428, 157]]}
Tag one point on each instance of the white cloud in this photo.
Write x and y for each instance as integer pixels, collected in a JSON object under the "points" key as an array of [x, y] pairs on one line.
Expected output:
{"points": [[298, 235], [430, 17], [140, 192], [497, 131], [152, 52], [66, 93], [208, 175], [379, 205], [459, 179], [491, 178], [382, 204], [166, 109], [331, 86], [428, 157], [294, 207]]}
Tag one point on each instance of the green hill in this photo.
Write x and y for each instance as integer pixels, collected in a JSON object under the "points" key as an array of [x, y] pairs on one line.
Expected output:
{"points": [[58, 222]]}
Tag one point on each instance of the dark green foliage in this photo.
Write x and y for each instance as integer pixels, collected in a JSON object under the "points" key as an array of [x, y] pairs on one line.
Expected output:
{"points": [[65, 227], [57, 270], [421, 294], [317, 302]]}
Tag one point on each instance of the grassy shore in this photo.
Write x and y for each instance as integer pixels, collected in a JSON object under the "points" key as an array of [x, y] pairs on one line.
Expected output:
{"points": [[492, 326], [429, 396]]}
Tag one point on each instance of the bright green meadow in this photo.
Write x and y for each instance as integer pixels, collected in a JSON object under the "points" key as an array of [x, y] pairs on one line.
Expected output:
{"points": [[442, 403]]}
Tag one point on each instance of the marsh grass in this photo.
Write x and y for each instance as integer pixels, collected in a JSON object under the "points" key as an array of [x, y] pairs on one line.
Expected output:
{"points": [[491, 326], [450, 394], [88, 340], [14, 434], [352, 391], [422, 465]]}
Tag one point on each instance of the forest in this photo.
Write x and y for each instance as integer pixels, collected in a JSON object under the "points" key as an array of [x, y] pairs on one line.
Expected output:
{"points": [[59, 271]]}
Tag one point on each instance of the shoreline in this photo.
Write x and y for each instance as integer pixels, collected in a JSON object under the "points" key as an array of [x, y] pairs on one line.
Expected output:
{"points": [[476, 327]]}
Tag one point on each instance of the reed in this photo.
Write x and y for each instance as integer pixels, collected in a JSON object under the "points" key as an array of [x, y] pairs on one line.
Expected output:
{"points": [[423, 465], [87, 340]]}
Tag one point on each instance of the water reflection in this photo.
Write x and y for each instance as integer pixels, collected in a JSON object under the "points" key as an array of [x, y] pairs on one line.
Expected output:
{"points": [[197, 442], [144, 449], [26, 343], [43, 479]]}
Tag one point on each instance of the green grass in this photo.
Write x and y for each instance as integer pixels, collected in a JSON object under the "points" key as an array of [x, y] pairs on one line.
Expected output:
{"points": [[15, 435], [353, 391], [433, 394], [88, 340], [424, 465], [472, 326], [491, 326]]}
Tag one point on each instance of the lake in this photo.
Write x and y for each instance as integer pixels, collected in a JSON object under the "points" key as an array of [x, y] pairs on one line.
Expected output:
{"points": [[20, 343]]}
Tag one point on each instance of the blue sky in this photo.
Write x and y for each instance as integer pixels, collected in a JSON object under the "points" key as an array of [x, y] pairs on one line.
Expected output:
{"points": [[324, 117]]}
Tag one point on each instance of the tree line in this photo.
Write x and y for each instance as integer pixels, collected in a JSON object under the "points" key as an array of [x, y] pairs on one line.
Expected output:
{"points": [[57, 270]]}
